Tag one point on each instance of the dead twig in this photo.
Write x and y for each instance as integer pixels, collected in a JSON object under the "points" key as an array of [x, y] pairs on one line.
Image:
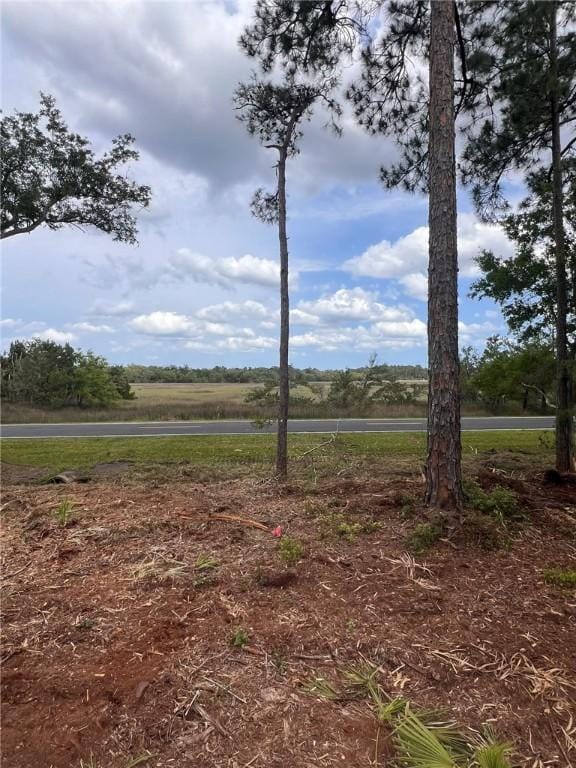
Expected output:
{"points": [[225, 688], [15, 573]]}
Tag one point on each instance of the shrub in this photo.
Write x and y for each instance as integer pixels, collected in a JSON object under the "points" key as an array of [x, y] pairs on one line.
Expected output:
{"points": [[290, 550], [239, 638], [560, 578], [424, 536], [501, 502]]}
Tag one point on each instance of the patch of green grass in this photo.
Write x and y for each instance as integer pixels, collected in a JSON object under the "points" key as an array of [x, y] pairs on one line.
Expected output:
{"points": [[82, 453], [486, 531], [64, 513], [560, 578], [204, 570], [337, 525], [239, 638], [290, 550], [423, 537], [500, 502]]}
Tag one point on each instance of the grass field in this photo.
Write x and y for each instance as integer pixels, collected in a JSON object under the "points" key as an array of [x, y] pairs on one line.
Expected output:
{"points": [[59, 454], [173, 402]]}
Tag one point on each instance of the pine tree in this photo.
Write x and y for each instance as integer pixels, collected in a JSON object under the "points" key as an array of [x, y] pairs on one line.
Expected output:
{"points": [[391, 98], [274, 114], [524, 118]]}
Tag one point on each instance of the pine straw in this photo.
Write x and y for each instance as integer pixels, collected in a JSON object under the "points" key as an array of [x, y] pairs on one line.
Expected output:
{"points": [[108, 650]]}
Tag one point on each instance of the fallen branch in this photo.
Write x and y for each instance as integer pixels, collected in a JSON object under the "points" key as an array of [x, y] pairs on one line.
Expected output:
{"points": [[242, 520], [331, 440], [541, 392]]}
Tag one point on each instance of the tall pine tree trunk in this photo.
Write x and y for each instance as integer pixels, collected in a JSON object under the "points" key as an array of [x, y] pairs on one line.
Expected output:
{"points": [[284, 385], [564, 427], [443, 470]]}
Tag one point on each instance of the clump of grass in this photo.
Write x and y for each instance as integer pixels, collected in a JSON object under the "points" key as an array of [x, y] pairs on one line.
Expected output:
{"points": [[64, 513], [205, 563], [313, 508], [290, 550], [499, 502], [85, 623], [424, 536], [204, 568], [239, 638], [560, 578], [159, 569], [486, 531], [335, 524], [322, 688]]}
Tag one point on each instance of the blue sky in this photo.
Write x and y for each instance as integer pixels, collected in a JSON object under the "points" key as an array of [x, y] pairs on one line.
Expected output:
{"points": [[201, 287]]}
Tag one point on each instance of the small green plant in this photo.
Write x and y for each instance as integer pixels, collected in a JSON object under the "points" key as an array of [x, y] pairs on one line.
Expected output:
{"points": [[313, 508], [493, 754], [205, 563], [422, 745], [64, 513], [279, 662], [560, 578], [335, 524], [239, 638], [85, 623], [499, 502], [290, 550], [322, 688], [486, 531], [160, 568], [423, 537], [204, 568]]}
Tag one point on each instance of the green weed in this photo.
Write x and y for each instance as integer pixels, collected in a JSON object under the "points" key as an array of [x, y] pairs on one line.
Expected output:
{"points": [[499, 502], [239, 638], [560, 578], [64, 513], [423, 537], [336, 525], [290, 550]]}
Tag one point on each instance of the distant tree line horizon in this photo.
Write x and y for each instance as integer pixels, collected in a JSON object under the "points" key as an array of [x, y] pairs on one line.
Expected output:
{"points": [[45, 374], [221, 374]]}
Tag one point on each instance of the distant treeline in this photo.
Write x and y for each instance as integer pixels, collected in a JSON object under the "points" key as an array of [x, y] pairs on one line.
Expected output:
{"points": [[172, 374]]}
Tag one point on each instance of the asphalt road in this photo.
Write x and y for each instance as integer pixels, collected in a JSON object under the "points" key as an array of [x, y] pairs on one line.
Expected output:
{"points": [[170, 428]]}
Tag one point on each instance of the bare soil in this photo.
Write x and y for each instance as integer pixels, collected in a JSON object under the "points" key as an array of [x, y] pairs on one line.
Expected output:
{"points": [[118, 630]]}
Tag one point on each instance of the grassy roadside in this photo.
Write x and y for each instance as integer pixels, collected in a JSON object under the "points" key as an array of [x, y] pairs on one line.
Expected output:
{"points": [[59, 454]]}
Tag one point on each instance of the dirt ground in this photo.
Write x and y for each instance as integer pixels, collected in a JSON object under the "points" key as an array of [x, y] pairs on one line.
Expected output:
{"points": [[140, 629]]}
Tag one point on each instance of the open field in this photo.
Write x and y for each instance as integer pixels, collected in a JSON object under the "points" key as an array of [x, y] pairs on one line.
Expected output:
{"points": [[162, 402], [58, 454], [151, 618]]}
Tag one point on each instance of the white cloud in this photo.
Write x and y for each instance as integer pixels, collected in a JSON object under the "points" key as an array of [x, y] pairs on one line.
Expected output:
{"points": [[237, 343], [476, 332], [409, 254], [9, 322], [91, 328], [225, 271], [111, 309], [381, 335], [52, 334], [415, 285], [166, 324], [227, 309], [347, 305], [177, 325]]}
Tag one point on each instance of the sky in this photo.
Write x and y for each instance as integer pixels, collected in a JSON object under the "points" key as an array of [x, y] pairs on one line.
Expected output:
{"points": [[201, 287]]}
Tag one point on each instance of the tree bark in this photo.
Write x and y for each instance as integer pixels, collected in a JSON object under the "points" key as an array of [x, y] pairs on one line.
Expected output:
{"points": [[284, 384], [443, 467], [564, 426]]}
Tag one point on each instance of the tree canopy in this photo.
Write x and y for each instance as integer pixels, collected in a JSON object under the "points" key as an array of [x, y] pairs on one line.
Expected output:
{"points": [[524, 285], [38, 372], [51, 177]]}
